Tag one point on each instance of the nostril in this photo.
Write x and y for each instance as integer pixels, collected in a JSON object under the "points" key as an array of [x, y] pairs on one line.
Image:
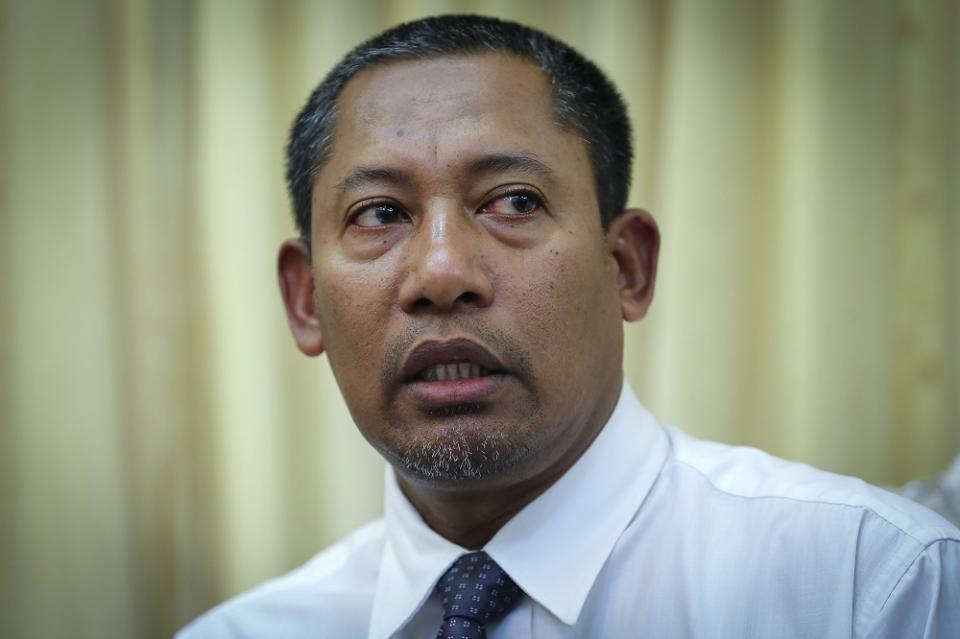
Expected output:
{"points": [[467, 298]]}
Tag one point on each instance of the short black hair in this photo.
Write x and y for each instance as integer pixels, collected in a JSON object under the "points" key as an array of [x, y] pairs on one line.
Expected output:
{"points": [[584, 100]]}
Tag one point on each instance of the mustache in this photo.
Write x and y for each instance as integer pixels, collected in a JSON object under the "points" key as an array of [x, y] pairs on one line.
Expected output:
{"points": [[509, 350]]}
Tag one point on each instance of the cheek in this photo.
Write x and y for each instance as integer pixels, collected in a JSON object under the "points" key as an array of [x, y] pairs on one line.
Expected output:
{"points": [[353, 307], [567, 310]]}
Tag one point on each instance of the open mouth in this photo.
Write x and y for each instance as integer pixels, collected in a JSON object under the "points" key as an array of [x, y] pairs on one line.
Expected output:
{"points": [[444, 373], [452, 372], [450, 360]]}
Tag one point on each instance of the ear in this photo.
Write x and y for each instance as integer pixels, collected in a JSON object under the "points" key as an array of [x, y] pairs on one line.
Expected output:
{"points": [[634, 242], [294, 269]]}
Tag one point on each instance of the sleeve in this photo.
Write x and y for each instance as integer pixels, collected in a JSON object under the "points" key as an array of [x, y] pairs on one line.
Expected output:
{"points": [[925, 602], [205, 627]]}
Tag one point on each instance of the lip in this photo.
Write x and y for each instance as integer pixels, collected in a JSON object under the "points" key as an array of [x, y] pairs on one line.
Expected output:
{"points": [[434, 352], [451, 392]]}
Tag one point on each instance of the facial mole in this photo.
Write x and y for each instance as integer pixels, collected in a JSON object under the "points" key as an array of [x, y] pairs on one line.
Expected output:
{"points": [[401, 133]]}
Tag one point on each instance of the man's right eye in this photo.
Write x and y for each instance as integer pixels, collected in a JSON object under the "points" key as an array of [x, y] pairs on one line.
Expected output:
{"points": [[379, 214]]}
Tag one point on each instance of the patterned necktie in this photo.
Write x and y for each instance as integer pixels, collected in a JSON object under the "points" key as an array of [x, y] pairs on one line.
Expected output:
{"points": [[474, 590]]}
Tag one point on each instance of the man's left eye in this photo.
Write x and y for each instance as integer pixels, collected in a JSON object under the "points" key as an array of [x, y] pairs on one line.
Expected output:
{"points": [[513, 204]]}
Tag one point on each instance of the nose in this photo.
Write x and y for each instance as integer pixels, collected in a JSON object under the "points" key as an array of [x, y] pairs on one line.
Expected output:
{"points": [[445, 267]]}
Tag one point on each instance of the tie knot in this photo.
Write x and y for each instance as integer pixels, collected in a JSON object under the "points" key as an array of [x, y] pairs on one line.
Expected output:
{"points": [[476, 588]]}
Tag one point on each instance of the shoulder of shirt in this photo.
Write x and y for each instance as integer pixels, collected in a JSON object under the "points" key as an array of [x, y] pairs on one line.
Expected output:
{"points": [[748, 473], [338, 577]]}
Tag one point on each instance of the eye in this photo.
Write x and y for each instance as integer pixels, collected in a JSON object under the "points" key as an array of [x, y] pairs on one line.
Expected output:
{"points": [[516, 204], [379, 214]]}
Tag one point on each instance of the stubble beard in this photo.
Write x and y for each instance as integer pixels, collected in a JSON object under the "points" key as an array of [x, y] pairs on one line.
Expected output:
{"points": [[451, 454]]}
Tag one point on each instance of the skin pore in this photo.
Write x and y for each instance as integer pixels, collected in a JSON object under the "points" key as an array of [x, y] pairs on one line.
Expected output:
{"points": [[456, 222]]}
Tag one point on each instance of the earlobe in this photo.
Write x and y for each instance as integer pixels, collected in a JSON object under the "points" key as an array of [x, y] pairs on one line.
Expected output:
{"points": [[294, 271], [634, 242]]}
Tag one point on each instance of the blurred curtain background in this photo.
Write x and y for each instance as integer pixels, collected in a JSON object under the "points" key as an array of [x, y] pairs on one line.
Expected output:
{"points": [[165, 446]]}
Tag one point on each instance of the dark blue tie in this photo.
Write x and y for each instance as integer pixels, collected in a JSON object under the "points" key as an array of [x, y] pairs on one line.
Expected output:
{"points": [[474, 590]]}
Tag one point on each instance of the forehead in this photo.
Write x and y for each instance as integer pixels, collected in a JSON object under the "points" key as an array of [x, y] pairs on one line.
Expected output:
{"points": [[444, 109], [491, 83]]}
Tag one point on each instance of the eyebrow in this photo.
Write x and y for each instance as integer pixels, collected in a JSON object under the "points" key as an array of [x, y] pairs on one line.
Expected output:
{"points": [[511, 163], [364, 175], [492, 164]]}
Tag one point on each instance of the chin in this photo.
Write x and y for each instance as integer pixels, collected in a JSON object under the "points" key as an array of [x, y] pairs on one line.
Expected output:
{"points": [[460, 449]]}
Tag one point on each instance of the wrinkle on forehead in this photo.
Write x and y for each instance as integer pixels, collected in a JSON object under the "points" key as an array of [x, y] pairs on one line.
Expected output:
{"points": [[483, 106], [444, 100]]}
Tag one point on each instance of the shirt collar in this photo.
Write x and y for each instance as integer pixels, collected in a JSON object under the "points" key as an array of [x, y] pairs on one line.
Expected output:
{"points": [[579, 519]]}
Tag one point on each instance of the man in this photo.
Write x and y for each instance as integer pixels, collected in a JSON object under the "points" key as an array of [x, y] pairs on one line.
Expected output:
{"points": [[466, 261]]}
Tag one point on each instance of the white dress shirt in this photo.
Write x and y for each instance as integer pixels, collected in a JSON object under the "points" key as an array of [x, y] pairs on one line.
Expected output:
{"points": [[941, 494], [651, 533]]}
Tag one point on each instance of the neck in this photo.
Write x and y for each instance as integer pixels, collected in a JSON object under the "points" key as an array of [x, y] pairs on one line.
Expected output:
{"points": [[470, 516]]}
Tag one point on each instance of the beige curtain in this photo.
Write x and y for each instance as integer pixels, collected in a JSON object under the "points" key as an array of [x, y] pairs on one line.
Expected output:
{"points": [[163, 444]]}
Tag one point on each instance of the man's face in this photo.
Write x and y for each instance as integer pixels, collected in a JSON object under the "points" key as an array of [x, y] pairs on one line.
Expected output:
{"points": [[465, 292]]}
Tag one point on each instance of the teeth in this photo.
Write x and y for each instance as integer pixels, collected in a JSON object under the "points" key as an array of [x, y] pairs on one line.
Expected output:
{"points": [[453, 372]]}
